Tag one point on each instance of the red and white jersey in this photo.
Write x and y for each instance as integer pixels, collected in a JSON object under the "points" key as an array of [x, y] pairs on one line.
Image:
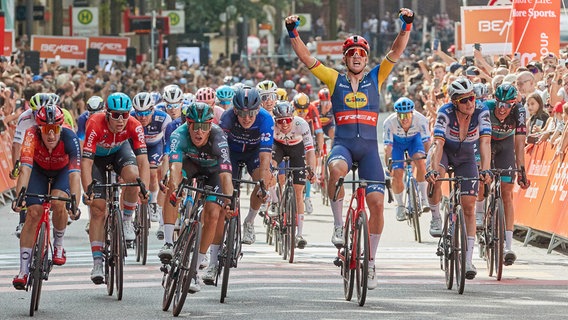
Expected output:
{"points": [[300, 132]]}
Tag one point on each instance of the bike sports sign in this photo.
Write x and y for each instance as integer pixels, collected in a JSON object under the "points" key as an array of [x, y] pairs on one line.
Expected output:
{"points": [[110, 48]]}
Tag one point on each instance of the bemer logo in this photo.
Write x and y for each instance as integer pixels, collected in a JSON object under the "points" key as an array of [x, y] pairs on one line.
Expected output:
{"points": [[499, 26], [56, 48], [106, 46]]}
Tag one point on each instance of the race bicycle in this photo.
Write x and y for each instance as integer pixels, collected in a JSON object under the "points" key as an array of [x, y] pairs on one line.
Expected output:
{"points": [[41, 262]]}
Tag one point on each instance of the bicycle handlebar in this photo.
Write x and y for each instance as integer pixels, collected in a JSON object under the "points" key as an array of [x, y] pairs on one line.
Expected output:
{"points": [[459, 178], [47, 198], [362, 183]]}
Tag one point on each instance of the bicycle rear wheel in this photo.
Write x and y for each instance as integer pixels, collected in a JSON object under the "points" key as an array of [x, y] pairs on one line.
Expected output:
{"points": [[36, 268], [499, 239], [347, 273], [459, 247], [415, 212], [362, 257], [119, 248], [171, 277], [447, 249], [188, 268], [323, 183], [285, 225], [229, 256], [292, 222]]}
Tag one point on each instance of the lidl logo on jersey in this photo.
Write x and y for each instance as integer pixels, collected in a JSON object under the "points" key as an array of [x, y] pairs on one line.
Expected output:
{"points": [[356, 100]]}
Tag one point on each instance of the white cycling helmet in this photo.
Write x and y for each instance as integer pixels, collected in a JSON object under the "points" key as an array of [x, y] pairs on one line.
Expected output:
{"points": [[459, 87], [143, 101], [95, 104], [189, 98], [172, 94]]}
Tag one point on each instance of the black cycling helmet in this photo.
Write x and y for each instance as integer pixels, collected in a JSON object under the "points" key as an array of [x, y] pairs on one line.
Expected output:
{"points": [[246, 98]]}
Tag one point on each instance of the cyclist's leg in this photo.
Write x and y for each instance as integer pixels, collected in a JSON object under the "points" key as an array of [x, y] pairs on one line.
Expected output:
{"points": [[397, 154], [60, 188], [417, 151], [339, 163], [213, 223], [155, 153], [469, 191], [505, 159]]}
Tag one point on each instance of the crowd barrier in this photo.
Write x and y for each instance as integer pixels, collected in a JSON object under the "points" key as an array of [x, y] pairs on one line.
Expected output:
{"points": [[541, 209], [7, 185]]}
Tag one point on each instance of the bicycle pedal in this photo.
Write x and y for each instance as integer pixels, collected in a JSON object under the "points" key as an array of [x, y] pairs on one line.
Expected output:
{"points": [[439, 252], [337, 262]]}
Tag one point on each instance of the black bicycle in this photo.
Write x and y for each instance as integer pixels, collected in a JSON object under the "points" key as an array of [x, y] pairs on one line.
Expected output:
{"points": [[114, 252], [141, 227], [452, 245], [491, 236], [230, 249], [182, 268]]}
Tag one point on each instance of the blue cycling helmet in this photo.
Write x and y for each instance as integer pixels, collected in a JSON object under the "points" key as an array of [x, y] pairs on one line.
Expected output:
{"points": [[225, 93], [119, 102], [404, 105], [246, 98]]}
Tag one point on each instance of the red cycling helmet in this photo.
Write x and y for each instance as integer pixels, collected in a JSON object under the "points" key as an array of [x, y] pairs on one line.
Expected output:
{"points": [[49, 114], [324, 94], [355, 41]]}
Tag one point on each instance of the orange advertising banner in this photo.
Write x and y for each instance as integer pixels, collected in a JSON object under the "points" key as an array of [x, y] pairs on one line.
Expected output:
{"points": [[68, 50], [8, 43], [536, 29], [111, 48], [329, 49], [489, 26]]}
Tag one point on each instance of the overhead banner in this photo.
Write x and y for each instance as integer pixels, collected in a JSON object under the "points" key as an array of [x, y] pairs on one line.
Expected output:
{"points": [[8, 43], [489, 26], [536, 28], [177, 20], [68, 50], [85, 21], [110, 48]]}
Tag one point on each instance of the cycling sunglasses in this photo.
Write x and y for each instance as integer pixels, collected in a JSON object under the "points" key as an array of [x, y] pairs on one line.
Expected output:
{"points": [[143, 113], [268, 96], [284, 120], [360, 51], [403, 116], [118, 115], [246, 113], [203, 126], [466, 99], [506, 105], [173, 106], [50, 128]]}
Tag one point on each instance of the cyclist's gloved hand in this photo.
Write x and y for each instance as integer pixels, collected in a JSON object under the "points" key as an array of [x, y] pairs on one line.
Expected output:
{"points": [[522, 179], [431, 176], [486, 176], [292, 24], [15, 206], [407, 17]]}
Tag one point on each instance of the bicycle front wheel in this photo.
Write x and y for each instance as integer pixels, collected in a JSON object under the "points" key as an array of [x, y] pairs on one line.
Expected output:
{"points": [[415, 212], [347, 273], [39, 253], [446, 246], [171, 277], [188, 268], [292, 222], [489, 234], [362, 257], [229, 254], [109, 255], [499, 238], [119, 247], [142, 225], [459, 248]]}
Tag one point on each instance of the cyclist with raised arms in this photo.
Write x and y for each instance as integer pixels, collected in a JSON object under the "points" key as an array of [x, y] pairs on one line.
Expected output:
{"points": [[250, 133], [460, 125], [293, 138], [508, 131], [200, 147], [107, 137], [154, 123], [48, 151], [407, 130], [355, 105]]}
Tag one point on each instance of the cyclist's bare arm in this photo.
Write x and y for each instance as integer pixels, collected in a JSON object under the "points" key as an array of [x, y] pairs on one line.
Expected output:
{"points": [[86, 173], [23, 180], [300, 47], [75, 184], [226, 179], [143, 168], [175, 176], [520, 150]]}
